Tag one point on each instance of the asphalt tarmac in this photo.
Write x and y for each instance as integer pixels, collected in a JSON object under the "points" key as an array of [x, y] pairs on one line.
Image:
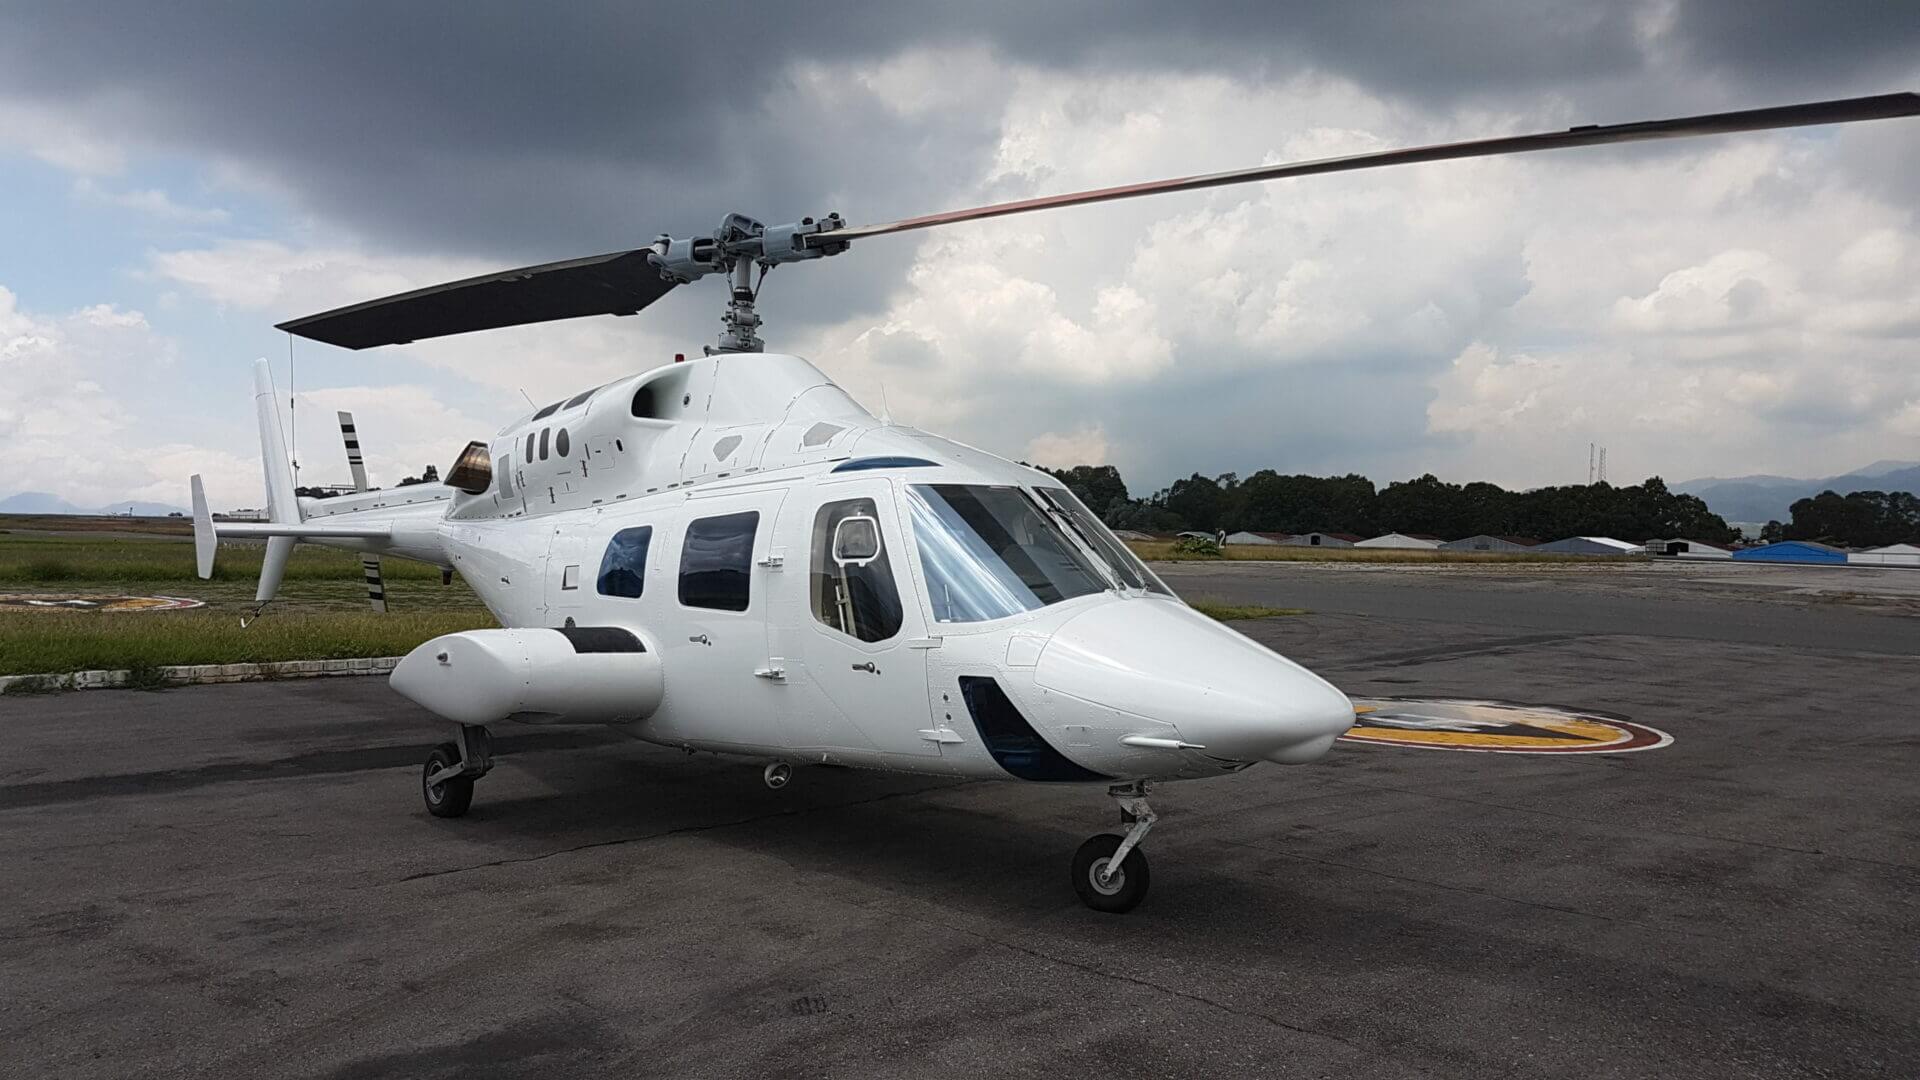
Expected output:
{"points": [[241, 880]]}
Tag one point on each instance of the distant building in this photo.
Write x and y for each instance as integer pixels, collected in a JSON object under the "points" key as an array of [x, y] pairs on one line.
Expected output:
{"points": [[1792, 551], [1687, 549], [243, 515], [1317, 539], [1404, 541], [1132, 534], [1484, 542], [1590, 545], [1258, 537], [1891, 555]]}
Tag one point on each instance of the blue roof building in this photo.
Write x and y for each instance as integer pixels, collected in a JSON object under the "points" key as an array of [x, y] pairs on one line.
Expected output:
{"points": [[1793, 551]]}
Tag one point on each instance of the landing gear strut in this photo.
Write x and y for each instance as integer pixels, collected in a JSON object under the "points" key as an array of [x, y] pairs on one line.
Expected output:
{"points": [[446, 781], [1110, 872]]}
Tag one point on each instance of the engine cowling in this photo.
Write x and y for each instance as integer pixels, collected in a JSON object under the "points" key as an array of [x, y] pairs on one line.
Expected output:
{"points": [[576, 675]]}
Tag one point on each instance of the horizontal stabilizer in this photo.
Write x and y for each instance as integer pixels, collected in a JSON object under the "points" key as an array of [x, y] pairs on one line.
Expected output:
{"points": [[254, 530]]}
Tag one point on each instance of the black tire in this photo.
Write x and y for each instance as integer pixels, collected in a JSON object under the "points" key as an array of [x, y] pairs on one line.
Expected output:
{"points": [[1121, 894], [450, 797]]}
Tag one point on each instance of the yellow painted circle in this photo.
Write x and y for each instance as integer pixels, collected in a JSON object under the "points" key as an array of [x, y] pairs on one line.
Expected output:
{"points": [[1496, 727]]}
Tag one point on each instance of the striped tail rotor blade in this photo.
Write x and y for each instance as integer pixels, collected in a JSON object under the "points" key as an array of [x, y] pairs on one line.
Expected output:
{"points": [[351, 437], [376, 587]]}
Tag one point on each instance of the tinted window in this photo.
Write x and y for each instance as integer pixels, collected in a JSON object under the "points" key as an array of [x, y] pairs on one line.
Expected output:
{"points": [[623, 569], [529, 454], [579, 398], [548, 411], [854, 596], [560, 442], [716, 563], [544, 432]]}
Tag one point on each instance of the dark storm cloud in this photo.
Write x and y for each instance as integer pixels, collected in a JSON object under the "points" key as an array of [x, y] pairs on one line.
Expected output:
{"points": [[524, 132], [533, 131]]}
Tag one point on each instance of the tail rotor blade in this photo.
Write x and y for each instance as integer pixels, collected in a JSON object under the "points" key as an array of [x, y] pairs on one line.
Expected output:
{"points": [[355, 462], [376, 587]]}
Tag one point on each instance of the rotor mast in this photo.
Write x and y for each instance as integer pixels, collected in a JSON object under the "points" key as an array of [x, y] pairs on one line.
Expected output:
{"points": [[734, 249]]}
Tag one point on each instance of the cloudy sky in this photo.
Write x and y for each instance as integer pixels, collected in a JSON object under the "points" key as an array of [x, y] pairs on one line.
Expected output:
{"points": [[175, 178]]}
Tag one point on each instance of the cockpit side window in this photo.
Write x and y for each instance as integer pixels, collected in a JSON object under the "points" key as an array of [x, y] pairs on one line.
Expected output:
{"points": [[851, 585], [623, 569]]}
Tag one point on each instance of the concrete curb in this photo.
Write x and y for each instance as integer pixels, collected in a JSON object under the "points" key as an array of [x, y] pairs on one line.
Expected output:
{"points": [[201, 674]]}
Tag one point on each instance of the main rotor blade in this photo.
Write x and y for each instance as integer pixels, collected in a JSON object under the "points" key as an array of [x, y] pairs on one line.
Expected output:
{"points": [[618, 283], [1881, 107]]}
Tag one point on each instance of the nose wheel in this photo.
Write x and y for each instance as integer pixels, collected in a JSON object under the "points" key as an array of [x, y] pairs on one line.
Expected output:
{"points": [[1110, 871], [446, 781]]}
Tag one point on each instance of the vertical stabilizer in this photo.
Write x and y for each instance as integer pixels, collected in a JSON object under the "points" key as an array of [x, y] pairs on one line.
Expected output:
{"points": [[283, 506]]}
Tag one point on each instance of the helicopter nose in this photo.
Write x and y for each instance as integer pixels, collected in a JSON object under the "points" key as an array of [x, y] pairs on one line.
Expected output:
{"points": [[1169, 663]]}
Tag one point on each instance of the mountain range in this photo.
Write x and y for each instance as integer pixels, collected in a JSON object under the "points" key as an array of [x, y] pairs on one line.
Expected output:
{"points": [[39, 502], [1770, 498]]}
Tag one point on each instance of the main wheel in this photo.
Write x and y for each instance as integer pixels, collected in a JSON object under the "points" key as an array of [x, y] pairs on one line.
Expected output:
{"points": [[1123, 890], [449, 797]]}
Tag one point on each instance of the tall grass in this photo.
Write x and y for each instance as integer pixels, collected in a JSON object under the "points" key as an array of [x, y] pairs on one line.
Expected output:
{"points": [[56, 642]]}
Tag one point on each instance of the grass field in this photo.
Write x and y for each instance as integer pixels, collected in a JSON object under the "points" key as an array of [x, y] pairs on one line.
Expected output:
{"points": [[321, 612], [1162, 551]]}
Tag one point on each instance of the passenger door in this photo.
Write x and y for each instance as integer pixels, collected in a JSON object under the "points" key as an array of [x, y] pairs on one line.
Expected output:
{"points": [[721, 684], [849, 634]]}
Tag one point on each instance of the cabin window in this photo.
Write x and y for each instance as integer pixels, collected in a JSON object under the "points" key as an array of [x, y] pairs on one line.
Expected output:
{"points": [[560, 442], [623, 569], [716, 562], [988, 552], [852, 581], [544, 432], [529, 454]]}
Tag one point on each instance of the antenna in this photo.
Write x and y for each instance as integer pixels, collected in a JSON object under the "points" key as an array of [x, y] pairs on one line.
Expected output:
{"points": [[1603, 465], [293, 418], [523, 393], [1589, 464]]}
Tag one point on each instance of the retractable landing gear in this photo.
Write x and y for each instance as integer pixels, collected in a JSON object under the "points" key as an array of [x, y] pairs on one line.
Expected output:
{"points": [[446, 782], [1110, 872]]}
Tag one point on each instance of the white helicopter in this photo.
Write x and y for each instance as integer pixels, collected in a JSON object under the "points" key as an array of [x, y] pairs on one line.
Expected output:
{"points": [[730, 554]]}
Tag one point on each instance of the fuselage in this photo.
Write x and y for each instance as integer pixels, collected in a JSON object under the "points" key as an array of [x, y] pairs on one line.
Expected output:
{"points": [[818, 585]]}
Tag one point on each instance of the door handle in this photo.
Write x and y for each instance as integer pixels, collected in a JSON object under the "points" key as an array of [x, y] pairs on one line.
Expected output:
{"points": [[867, 667], [700, 639]]}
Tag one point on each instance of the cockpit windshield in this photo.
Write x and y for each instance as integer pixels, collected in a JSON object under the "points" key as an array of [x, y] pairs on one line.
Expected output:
{"points": [[1125, 565], [988, 552]]}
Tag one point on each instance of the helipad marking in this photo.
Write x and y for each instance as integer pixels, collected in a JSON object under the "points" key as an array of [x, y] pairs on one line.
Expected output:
{"points": [[1496, 727], [80, 602]]}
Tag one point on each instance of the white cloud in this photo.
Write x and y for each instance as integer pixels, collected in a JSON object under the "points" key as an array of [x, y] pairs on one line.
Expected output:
{"points": [[68, 425], [1724, 305], [150, 201], [1085, 445]]}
